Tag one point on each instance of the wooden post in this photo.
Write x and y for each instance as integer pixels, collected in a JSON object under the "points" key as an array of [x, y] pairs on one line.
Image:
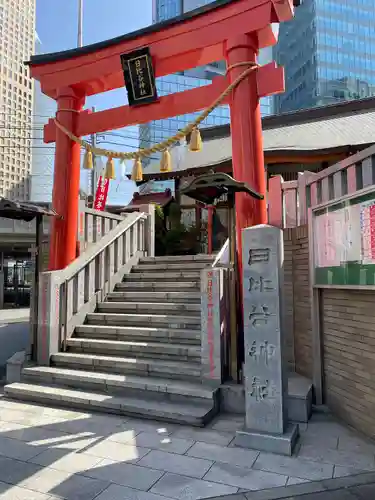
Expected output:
{"points": [[275, 201]]}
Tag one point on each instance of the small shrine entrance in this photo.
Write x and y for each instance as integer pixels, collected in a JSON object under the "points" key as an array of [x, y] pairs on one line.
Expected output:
{"points": [[230, 30]]}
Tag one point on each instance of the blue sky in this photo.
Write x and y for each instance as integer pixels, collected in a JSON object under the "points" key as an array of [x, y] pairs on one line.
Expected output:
{"points": [[102, 19]]}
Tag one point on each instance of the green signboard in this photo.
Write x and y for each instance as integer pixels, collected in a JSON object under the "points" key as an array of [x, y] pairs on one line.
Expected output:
{"points": [[344, 242]]}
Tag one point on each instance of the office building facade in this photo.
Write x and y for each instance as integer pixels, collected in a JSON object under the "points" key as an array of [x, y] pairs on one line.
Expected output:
{"points": [[43, 155], [17, 38], [328, 51]]}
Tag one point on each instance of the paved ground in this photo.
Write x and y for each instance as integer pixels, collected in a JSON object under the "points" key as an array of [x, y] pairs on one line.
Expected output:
{"points": [[14, 315], [358, 487], [48, 453], [14, 334]]}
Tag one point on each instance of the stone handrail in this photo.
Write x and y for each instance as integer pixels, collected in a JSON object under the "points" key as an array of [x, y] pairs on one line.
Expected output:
{"points": [[222, 258], [94, 225], [68, 295]]}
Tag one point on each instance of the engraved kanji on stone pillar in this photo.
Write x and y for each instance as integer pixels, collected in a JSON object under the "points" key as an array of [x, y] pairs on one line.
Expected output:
{"points": [[265, 381], [265, 377]]}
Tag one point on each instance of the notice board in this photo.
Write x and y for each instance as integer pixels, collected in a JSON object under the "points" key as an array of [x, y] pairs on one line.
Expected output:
{"points": [[344, 242]]}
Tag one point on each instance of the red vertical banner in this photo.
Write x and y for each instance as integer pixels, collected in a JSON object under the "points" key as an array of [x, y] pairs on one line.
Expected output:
{"points": [[372, 231], [101, 194]]}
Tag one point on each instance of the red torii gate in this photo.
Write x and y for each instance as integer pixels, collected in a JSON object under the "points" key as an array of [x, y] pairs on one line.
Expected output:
{"points": [[231, 30]]}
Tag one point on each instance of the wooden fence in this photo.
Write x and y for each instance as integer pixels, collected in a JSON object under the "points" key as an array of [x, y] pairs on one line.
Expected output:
{"points": [[288, 202]]}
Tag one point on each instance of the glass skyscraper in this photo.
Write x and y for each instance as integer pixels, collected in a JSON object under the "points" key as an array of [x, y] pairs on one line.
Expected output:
{"points": [[328, 51], [156, 131]]}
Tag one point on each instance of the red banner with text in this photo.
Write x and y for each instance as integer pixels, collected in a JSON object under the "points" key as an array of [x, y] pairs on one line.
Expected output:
{"points": [[101, 194]]}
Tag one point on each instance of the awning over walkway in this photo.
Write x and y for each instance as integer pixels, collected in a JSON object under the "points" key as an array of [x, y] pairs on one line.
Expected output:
{"points": [[18, 210]]}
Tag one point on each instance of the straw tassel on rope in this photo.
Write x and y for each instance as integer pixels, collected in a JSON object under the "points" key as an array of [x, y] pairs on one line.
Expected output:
{"points": [[195, 140], [166, 161], [110, 169], [88, 163], [137, 173]]}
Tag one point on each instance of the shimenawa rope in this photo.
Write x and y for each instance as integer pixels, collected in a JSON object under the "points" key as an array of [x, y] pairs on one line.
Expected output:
{"points": [[164, 145]]}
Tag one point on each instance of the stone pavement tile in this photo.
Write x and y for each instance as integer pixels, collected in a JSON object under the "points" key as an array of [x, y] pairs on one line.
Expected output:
{"points": [[348, 481], [7, 427], [42, 436], [12, 448], [138, 425], [234, 456], [295, 480], [318, 441], [293, 491], [123, 436], [30, 419], [65, 485], [124, 474], [39, 410], [14, 471], [291, 466], [228, 423], [240, 495], [9, 492], [328, 428], [18, 405], [99, 425], [338, 457], [19, 416], [170, 462], [67, 462], [331, 495], [244, 478], [341, 471], [116, 451], [186, 488], [162, 442], [364, 492], [205, 435], [116, 492], [356, 444]]}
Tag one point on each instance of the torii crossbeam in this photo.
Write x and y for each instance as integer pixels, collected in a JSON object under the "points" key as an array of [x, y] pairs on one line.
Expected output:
{"points": [[230, 30]]}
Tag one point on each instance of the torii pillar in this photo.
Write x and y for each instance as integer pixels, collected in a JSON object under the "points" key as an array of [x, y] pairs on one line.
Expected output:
{"points": [[231, 30]]}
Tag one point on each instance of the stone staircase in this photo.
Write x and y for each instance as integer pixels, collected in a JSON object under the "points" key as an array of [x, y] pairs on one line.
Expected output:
{"points": [[138, 354]]}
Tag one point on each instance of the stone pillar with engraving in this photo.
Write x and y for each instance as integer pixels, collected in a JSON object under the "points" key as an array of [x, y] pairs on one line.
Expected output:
{"points": [[266, 422]]}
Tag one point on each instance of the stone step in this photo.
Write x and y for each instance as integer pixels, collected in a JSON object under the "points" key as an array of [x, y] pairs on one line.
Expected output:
{"points": [[180, 276], [174, 309], [178, 370], [140, 296], [172, 259], [145, 349], [190, 414], [158, 389], [161, 320], [167, 266], [180, 336], [166, 286]]}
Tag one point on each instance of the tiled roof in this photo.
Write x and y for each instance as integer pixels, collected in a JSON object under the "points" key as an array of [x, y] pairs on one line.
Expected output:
{"points": [[161, 199], [352, 129]]}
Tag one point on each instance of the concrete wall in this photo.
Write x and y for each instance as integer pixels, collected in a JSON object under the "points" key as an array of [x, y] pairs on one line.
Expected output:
{"points": [[297, 300], [348, 320]]}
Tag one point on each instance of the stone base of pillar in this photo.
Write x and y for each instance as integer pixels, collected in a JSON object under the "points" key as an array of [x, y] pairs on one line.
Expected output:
{"points": [[282, 444]]}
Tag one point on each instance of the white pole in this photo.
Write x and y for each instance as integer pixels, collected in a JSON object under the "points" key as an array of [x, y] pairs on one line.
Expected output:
{"points": [[80, 23]]}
